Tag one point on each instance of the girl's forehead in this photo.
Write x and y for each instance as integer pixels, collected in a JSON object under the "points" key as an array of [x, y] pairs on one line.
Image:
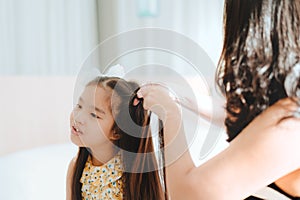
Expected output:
{"points": [[96, 94], [96, 90]]}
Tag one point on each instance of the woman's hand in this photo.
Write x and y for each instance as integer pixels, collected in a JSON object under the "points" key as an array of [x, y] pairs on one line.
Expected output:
{"points": [[157, 99], [275, 116], [277, 113]]}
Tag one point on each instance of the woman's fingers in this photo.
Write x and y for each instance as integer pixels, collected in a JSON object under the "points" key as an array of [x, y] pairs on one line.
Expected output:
{"points": [[156, 98], [282, 109]]}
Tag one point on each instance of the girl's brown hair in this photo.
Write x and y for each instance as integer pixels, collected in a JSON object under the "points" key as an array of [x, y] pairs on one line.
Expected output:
{"points": [[142, 178]]}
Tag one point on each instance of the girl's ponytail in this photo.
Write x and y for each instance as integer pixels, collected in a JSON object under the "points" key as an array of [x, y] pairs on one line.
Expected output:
{"points": [[146, 180], [79, 166], [142, 177]]}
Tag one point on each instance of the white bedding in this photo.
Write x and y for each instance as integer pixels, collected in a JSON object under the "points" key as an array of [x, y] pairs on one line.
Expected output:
{"points": [[36, 174]]}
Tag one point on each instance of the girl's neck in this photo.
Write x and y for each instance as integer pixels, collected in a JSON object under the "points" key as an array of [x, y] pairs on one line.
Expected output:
{"points": [[101, 156], [290, 183]]}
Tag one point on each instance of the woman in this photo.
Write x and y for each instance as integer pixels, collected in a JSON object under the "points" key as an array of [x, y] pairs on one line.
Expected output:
{"points": [[261, 47]]}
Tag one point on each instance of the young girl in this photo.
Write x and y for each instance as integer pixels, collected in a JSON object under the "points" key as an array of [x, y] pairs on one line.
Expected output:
{"points": [[115, 158]]}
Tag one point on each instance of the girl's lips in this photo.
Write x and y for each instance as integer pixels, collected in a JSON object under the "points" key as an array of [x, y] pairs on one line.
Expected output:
{"points": [[75, 131]]}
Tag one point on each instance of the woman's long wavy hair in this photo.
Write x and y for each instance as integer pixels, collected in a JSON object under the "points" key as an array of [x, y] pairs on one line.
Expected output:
{"points": [[261, 46], [142, 178]]}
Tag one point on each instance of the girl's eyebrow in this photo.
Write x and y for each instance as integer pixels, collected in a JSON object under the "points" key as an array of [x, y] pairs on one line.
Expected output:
{"points": [[97, 109]]}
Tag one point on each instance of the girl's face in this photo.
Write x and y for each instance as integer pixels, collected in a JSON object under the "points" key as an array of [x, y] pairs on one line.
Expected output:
{"points": [[91, 120]]}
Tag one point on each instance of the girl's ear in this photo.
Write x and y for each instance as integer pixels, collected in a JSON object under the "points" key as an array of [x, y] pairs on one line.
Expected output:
{"points": [[114, 136]]}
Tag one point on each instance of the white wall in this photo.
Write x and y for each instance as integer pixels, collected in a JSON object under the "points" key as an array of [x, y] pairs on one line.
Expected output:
{"points": [[46, 37], [201, 20], [34, 111], [39, 34]]}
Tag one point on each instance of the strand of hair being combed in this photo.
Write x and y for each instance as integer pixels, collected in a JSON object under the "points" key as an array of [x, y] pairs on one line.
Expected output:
{"points": [[162, 160]]}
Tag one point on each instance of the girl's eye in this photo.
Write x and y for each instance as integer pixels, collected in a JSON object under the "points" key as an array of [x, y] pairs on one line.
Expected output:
{"points": [[78, 106], [95, 116]]}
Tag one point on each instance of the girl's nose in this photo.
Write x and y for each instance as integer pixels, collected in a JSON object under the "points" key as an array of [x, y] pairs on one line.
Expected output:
{"points": [[78, 117]]}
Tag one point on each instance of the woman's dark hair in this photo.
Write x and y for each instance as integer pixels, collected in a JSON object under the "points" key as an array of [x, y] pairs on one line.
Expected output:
{"points": [[261, 46], [142, 178]]}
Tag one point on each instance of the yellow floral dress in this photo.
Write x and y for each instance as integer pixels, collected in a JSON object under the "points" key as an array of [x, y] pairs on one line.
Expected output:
{"points": [[102, 182]]}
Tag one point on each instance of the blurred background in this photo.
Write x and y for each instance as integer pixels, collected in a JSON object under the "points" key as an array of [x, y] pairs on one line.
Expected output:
{"points": [[43, 44]]}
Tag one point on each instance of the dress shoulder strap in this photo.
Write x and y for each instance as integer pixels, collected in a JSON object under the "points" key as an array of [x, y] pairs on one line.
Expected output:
{"points": [[268, 193]]}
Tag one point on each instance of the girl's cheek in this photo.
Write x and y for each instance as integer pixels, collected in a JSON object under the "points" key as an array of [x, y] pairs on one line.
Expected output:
{"points": [[72, 115]]}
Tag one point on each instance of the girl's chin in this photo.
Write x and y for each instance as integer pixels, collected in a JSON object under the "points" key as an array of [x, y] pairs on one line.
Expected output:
{"points": [[76, 140]]}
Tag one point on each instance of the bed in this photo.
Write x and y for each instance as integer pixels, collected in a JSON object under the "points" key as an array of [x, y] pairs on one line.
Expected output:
{"points": [[36, 174]]}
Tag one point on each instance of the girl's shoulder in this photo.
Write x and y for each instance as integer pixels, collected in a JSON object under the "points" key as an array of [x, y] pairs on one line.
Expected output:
{"points": [[71, 166], [69, 177], [73, 161]]}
